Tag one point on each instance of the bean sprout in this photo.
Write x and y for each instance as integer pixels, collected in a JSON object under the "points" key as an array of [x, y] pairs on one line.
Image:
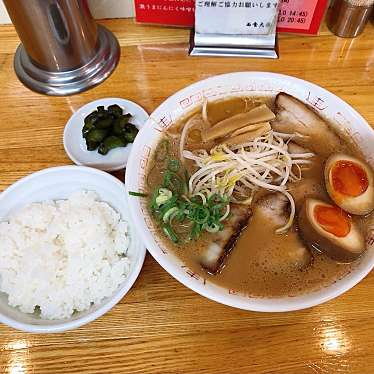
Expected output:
{"points": [[190, 123], [241, 170]]}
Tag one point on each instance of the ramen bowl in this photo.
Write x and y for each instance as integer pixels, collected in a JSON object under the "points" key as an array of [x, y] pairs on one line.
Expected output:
{"points": [[334, 110]]}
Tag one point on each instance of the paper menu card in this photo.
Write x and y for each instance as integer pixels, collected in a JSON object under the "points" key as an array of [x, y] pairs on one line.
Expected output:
{"points": [[234, 17]]}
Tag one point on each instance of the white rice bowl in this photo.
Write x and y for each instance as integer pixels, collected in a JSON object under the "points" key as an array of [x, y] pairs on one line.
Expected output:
{"points": [[61, 256], [102, 274]]}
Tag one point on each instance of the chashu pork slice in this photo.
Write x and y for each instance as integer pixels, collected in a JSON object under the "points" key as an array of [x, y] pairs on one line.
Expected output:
{"points": [[273, 208], [213, 257], [293, 116]]}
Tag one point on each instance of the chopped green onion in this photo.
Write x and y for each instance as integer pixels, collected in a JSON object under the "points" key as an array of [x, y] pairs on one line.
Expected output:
{"points": [[199, 214], [154, 197], [140, 194], [196, 231], [171, 203], [169, 232], [163, 196], [173, 165], [212, 228], [169, 213], [182, 216], [216, 199], [173, 182]]}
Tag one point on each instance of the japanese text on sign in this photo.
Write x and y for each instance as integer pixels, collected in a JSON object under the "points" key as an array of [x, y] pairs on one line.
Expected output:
{"points": [[300, 15], [171, 12], [235, 17]]}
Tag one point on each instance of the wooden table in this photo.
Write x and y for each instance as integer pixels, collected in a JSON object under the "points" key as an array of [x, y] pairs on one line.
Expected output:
{"points": [[161, 326]]}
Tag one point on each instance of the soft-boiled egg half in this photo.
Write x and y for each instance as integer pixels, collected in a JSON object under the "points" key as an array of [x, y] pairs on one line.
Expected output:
{"points": [[350, 183], [329, 229]]}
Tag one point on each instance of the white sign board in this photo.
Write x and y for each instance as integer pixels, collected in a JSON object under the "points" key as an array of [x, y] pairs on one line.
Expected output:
{"points": [[233, 17], [235, 28]]}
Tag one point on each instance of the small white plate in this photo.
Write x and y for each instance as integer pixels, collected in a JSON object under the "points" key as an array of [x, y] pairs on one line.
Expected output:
{"points": [[75, 145]]}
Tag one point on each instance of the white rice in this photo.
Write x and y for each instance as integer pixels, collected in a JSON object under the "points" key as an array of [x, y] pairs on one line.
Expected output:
{"points": [[61, 256]]}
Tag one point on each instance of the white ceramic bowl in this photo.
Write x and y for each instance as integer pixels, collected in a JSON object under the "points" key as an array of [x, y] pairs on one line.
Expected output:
{"points": [[328, 105], [59, 183], [75, 145]]}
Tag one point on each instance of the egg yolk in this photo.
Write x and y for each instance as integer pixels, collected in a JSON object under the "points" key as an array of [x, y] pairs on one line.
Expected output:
{"points": [[349, 178], [333, 220]]}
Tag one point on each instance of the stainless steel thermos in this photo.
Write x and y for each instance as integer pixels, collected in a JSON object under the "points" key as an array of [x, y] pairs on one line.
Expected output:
{"points": [[63, 50]]}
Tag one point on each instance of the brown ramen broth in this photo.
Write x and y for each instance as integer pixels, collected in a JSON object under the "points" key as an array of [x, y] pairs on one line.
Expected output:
{"points": [[256, 266]]}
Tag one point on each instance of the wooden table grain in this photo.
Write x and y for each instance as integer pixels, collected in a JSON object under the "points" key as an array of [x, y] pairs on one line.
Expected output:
{"points": [[161, 326]]}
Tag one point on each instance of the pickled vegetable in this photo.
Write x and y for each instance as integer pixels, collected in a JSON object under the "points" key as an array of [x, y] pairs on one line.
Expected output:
{"points": [[130, 133], [87, 128], [91, 146], [109, 143], [119, 125], [91, 118], [104, 123], [106, 129], [115, 109], [96, 135]]}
